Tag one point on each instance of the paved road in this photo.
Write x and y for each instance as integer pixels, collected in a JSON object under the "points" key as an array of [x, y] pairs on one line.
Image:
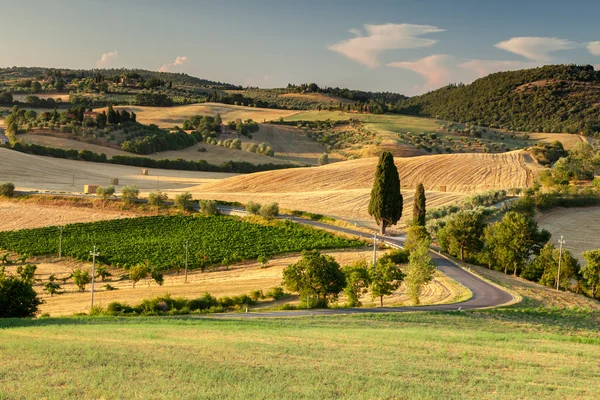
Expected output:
{"points": [[484, 294]]}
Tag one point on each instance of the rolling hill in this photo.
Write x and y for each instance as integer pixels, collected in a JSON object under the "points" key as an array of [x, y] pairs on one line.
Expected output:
{"points": [[553, 98]]}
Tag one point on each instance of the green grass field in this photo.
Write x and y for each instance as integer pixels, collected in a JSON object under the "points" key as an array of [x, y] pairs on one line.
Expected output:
{"points": [[502, 354]]}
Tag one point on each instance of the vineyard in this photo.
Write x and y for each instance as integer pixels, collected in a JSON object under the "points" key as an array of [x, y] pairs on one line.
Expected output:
{"points": [[160, 240]]}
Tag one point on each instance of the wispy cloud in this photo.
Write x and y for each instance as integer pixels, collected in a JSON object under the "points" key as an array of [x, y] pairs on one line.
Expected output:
{"points": [[107, 59], [536, 48], [594, 48], [379, 38], [435, 69], [178, 61]]}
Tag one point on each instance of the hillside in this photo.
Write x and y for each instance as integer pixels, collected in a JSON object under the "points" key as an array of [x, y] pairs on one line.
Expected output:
{"points": [[553, 98]]}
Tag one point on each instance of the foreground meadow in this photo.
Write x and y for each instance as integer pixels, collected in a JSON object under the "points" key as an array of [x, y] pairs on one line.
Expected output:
{"points": [[510, 353]]}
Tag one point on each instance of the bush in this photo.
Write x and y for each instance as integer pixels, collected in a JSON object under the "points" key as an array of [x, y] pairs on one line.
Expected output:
{"points": [[7, 189], [399, 256], [275, 293], [81, 278], [183, 201], [323, 159], [157, 199], [269, 210], [105, 192], [255, 295], [129, 194], [18, 299], [208, 207], [252, 207]]}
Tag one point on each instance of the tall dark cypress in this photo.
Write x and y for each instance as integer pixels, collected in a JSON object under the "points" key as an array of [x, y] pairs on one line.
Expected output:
{"points": [[386, 200], [419, 206]]}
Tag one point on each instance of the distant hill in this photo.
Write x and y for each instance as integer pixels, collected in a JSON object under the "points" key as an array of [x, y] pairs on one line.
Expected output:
{"points": [[553, 98], [176, 78]]}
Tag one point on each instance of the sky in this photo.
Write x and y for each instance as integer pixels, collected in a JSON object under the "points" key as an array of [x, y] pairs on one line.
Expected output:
{"points": [[408, 47]]}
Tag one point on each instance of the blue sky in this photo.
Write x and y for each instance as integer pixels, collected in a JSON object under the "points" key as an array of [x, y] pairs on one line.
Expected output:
{"points": [[402, 46]]}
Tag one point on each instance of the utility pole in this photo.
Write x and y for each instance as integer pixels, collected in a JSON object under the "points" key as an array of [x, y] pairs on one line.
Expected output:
{"points": [[561, 242], [186, 259], [60, 229], [93, 254], [374, 250]]}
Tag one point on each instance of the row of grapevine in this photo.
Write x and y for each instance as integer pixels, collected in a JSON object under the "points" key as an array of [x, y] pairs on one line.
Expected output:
{"points": [[212, 240]]}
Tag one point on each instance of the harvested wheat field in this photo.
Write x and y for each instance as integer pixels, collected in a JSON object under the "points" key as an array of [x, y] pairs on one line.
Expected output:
{"points": [[579, 226], [318, 97], [239, 279], [29, 172], [167, 117], [213, 154], [568, 140], [22, 215], [342, 189]]}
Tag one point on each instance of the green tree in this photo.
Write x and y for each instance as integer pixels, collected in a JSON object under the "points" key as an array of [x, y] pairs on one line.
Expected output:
{"points": [[157, 199], [421, 269], [385, 204], [419, 210], [357, 281], [158, 276], [103, 272], [269, 211], [18, 299], [27, 272], [252, 207], [52, 288], [591, 270], [323, 159], [129, 194], [208, 207], [385, 277], [462, 232], [138, 272], [315, 275], [569, 268], [415, 235], [7, 189], [81, 278], [183, 201], [36, 87], [105, 192]]}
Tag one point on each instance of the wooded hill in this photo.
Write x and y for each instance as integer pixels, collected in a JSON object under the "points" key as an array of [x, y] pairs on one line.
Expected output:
{"points": [[553, 98]]}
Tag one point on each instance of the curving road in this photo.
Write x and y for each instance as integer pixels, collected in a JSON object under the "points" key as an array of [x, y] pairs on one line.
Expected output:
{"points": [[485, 294]]}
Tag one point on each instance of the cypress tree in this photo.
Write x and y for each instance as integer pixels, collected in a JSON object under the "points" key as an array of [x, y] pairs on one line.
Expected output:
{"points": [[419, 206], [386, 200]]}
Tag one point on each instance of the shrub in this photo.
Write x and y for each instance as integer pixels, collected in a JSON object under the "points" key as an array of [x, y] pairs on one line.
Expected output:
{"points": [[208, 207], [7, 189], [275, 293], [255, 295], [129, 194], [157, 199], [18, 299], [183, 201], [81, 278], [269, 210], [399, 256], [323, 159], [252, 207], [138, 272], [105, 192]]}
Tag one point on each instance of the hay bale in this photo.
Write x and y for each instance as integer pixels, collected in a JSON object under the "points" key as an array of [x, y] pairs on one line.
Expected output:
{"points": [[114, 181], [90, 189], [144, 172]]}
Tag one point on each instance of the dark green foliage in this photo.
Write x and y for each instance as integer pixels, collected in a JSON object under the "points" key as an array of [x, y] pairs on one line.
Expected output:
{"points": [[591, 271], [7, 189], [462, 234], [27, 272], [183, 201], [385, 277], [357, 281], [18, 299], [419, 210], [548, 154], [81, 278], [315, 275], [553, 98], [386, 200], [157, 199]]}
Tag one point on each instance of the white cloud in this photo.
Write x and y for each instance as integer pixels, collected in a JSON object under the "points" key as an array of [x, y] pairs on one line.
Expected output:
{"points": [[438, 70], [379, 38], [355, 31], [178, 61], [107, 59], [594, 48], [536, 48], [482, 68]]}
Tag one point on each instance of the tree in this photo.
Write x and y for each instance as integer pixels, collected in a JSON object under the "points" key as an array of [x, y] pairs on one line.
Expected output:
{"points": [[462, 232], [415, 235], [385, 278], [514, 239], [36, 87], [357, 281], [52, 288], [208, 207], [315, 275], [183, 201], [105, 192], [158, 276], [252, 207], [7, 189], [27, 272], [421, 268], [569, 267], [269, 210], [591, 270], [157, 199], [419, 210], [323, 159], [18, 299], [385, 204], [138, 272], [129, 194], [81, 278], [103, 272]]}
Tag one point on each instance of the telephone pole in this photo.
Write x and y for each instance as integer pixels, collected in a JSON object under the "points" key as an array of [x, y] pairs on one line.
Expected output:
{"points": [[561, 242], [186, 258], [93, 253]]}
